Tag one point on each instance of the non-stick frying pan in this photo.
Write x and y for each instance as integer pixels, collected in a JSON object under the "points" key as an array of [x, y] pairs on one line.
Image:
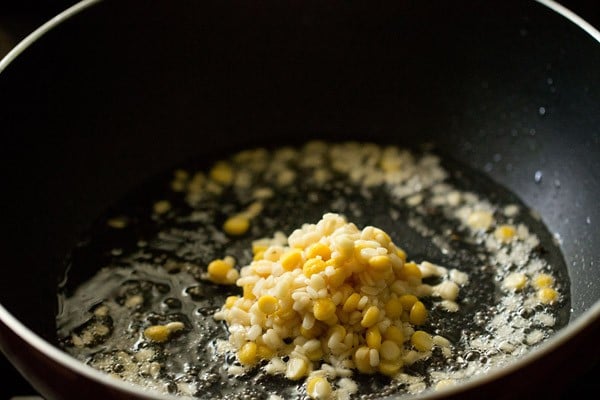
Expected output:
{"points": [[113, 92]]}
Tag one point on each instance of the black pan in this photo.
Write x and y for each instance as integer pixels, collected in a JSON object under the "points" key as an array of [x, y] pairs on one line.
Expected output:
{"points": [[113, 92]]}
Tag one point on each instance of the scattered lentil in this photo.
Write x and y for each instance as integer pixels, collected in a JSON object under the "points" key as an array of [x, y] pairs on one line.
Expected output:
{"points": [[162, 206]]}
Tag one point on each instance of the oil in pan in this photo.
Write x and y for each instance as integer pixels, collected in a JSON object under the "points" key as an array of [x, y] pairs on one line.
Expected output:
{"points": [[144, 264]]}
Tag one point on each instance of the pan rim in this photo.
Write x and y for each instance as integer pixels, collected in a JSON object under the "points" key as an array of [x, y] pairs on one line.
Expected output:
{"points": [[60, 357], [559, 339], [43, 29], [83, 4], [571, 16]]}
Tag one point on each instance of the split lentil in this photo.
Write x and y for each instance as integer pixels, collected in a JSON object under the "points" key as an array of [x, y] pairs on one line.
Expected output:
{"points": [[370, 274]]}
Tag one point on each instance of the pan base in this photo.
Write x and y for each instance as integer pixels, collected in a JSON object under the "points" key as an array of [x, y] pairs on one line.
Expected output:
{"points": [[142, 264]]}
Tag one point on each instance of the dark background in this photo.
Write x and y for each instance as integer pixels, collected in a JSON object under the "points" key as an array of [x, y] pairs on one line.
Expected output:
{"points": [[19, 18]]}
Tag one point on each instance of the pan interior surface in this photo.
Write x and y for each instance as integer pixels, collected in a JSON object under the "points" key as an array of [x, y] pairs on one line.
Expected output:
{"points": [[119, 102], [152, 248]]}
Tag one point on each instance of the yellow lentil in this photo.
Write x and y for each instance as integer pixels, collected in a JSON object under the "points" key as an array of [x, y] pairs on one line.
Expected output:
{"points": [[313, 266], [297, 368], [292, 259], [370, 317], [264, 352], [318, 250], [222, 173], [178, 185], [410, 271], [236, 225], [394, 334], [258, 248], [218, 270], [505, 233], [313, 332], [324, 309], [418, 313], [541, 281], [407, 301], [393, 308], [162, 206], [318, 388], [421, 341], [362, 360], [117, 222], [315, 355], [267, 304], [547, 295], [161, 333], [373, 338], [230, 301], [248, 292], [247, 355], [401, 253], [390, 350], [157, 333], [351, 303], [380, 263], [337, 278], [390, 368]]}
